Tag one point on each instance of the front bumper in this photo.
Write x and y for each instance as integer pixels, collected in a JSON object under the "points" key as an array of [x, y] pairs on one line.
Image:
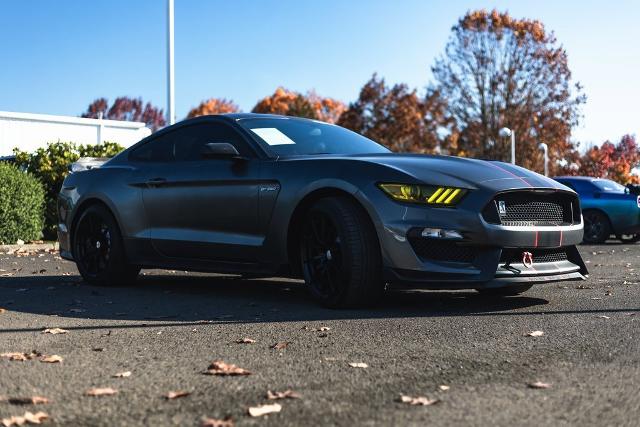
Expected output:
{"points": [[492, 255]]}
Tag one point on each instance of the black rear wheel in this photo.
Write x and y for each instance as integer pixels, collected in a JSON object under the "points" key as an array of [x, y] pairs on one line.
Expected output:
{"points": [[628, 238], [340, 254], [596, 227], [98, 249]]}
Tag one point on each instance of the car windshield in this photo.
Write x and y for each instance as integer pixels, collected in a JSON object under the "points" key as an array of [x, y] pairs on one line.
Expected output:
{"points": [[608, 185], [295, 137]]}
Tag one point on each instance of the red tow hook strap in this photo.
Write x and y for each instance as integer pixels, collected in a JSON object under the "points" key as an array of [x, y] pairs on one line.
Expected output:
{"points": [[535, 244]]}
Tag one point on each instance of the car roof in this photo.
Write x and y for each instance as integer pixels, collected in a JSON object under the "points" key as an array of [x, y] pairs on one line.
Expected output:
{"points": [[578, 178]]}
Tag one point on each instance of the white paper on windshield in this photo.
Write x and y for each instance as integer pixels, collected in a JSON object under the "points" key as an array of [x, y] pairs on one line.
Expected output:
{"points": [[272, 136]]}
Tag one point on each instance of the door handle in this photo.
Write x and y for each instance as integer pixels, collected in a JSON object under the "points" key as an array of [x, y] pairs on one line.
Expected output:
{"points": [[153, 182]]}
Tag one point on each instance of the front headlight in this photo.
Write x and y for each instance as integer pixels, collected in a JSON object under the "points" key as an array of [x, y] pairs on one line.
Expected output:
{"points": [[425, 194]]}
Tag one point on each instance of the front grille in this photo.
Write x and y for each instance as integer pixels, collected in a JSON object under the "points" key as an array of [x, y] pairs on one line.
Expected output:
{"points": [[532, 208], [539, 255], [442, 250]]}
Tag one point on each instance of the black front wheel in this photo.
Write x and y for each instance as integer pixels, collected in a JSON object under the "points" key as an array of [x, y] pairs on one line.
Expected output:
{"points": [[596, 227], [340, 254], [98, 249]]}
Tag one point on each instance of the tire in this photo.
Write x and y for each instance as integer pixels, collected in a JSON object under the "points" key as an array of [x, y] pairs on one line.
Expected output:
{"points": [[340, 254], [98, 249], [596, 227], [628, 238], [506, 291]]}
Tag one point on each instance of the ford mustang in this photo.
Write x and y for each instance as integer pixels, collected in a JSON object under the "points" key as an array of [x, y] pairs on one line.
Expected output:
{"points": [[264, 195]]}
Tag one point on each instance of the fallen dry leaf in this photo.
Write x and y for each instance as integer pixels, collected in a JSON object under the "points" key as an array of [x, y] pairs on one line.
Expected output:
{"points": [[214, 422], [287, 394], [20, 357], [539, 384], [176, 394], [245, 341], [124, 374], [55, 331], [33, 400], [358, 365], [97, 391], [218, 367], [27, 418], [54, 358], [417, 401], [258, 411], [280, 345], [535, 334]]}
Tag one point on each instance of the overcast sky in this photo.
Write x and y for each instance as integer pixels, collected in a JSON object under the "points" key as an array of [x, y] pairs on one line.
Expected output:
{"points": [[57, 56]]}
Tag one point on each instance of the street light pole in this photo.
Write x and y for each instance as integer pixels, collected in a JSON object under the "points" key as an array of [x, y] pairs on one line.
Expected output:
{"points": [[506, 132], [545, 149], [171, 88], [513, 147]]}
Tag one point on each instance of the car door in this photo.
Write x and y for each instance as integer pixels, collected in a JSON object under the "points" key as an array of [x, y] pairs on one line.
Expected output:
{"points": [[201, 208]]}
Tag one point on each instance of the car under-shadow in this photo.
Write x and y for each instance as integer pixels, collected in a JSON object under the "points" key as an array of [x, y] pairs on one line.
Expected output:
{"points": [[187, 298]]}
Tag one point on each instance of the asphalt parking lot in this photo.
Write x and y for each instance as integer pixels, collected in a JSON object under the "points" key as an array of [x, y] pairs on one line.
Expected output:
{"points": [[469, 354]]}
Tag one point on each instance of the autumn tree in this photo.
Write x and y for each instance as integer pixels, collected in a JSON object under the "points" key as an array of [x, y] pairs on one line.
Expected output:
{"points": [[128, 109], [290, 103], [613, 161], [214, 106], [498, 71], [395, 116]]}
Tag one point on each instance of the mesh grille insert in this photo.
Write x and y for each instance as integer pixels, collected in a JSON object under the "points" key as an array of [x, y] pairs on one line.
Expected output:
{"points": [[442, 250], [532, 208], [539, 255]]}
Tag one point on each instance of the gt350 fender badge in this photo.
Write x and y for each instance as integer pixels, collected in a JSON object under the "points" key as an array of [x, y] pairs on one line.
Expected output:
{"points": [[527, 259]]}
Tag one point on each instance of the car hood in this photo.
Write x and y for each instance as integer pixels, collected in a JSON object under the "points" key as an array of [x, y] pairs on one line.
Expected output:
{"points": [[463, 172]]}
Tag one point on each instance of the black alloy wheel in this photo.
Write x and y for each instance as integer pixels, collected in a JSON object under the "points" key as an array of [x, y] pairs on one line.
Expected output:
{"points": [[322, 255], [596, 227], [98, 249], [340, 254], [93, 245]]}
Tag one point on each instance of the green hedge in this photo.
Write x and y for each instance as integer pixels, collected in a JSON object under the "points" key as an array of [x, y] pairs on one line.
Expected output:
{"points": [[21, 205], [51, 165]]}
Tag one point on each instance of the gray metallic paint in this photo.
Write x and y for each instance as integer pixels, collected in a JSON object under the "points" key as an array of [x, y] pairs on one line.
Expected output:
{"points": [[234, 214]]}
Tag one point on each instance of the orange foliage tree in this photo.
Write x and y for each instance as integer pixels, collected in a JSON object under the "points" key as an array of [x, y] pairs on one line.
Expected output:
{"points": [[290, 103], [498, 71], [613, 161], [213, 106], [395, 116]]}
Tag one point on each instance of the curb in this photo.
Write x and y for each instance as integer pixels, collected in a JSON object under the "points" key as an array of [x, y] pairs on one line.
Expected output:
{"points": [[29, 247]]}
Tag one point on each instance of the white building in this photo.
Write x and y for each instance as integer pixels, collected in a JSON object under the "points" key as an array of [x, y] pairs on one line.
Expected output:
{"points": [[31, 131]]}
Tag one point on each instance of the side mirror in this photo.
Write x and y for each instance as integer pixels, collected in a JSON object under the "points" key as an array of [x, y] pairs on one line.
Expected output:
{"points": [[219, 150]]}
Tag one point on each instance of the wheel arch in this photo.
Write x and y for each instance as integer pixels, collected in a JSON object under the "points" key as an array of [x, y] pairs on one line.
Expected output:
{"points": [[298, 215]]}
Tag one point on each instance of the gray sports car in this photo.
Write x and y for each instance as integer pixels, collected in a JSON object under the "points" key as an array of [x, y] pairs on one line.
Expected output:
{"points": [[264, 195]]}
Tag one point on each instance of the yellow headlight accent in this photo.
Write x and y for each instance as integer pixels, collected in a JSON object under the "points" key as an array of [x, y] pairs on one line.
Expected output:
{"points": [[423, 194], [443, 195], [435, 195], [452, 196]]}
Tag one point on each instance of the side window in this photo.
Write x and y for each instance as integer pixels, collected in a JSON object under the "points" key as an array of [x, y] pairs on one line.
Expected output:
{"points": [[159, 149], [190, 141]]}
